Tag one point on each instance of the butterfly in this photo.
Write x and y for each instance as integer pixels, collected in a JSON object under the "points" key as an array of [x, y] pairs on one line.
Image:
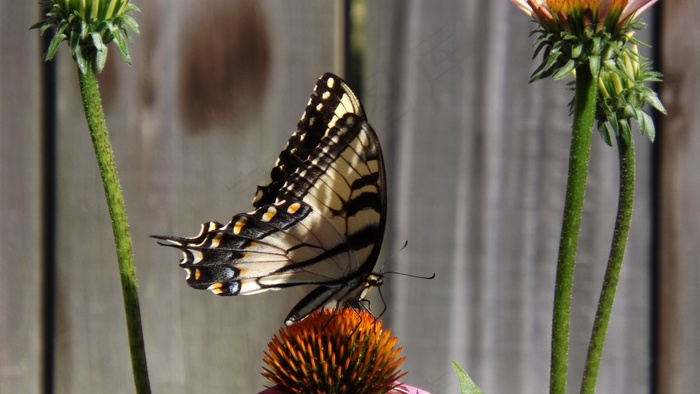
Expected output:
{"points": [[320, 221]]}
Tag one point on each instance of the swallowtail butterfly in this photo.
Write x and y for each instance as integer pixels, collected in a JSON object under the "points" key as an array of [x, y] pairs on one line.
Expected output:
{"points": [[320, 221]]}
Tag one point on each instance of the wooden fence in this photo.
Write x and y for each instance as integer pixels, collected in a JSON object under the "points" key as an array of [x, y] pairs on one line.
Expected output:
{"points": [[476, 159]]}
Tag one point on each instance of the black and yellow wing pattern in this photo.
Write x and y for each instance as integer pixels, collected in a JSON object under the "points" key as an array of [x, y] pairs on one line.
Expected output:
{"points": [[320, 221]]}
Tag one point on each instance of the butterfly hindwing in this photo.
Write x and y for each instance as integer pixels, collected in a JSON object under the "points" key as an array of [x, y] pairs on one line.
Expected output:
{"points": [[256, 251], [345, 182], [319, 222]]}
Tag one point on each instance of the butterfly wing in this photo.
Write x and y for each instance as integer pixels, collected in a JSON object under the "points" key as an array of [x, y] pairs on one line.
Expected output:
{"points": [[325, 224], [349, 189]]}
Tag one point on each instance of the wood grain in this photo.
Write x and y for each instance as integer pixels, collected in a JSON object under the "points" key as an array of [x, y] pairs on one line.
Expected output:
{"points": [[20, 201], [679, 187], [476, 168]]}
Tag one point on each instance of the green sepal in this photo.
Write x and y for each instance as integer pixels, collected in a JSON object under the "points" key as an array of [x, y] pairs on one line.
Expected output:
{"points": [[552, 58], [84, 30], [652, 99], [73, 43], [101, 51], [80, 59], [131, 7], [565, 70], [646, 125], [121, 46], [38, 25], [594, 65], [131, 23], [540, 44], [604, 131], [53, 46], [625, 130]]}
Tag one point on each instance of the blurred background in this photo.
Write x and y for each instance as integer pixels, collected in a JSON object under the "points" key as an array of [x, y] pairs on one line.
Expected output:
{"points": [[477, 160]]}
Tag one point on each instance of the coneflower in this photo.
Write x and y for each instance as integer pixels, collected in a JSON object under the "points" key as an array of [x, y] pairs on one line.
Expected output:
{"points": [[334, 351]]}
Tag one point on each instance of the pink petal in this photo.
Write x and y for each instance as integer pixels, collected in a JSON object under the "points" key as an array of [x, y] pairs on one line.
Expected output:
{"points": [[406, 389], [524, 7], [603, 9], [636, 7]]}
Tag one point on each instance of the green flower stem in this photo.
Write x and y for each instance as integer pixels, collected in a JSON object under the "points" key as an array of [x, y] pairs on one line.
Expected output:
{"points": [[92, 105], [612, 273], [584, 116]]}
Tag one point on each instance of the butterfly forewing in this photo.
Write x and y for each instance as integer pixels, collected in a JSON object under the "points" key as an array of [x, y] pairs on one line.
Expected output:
{"points": [[331, 100], [320, 221]]}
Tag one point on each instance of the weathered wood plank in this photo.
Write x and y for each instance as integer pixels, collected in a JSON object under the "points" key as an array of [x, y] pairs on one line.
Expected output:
{"points": [[20, 200], [215, 91], [679, 187], [477, 163]]}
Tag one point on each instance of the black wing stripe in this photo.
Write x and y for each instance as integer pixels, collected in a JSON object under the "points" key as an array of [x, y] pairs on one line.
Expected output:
{"points": [[364, 201]]}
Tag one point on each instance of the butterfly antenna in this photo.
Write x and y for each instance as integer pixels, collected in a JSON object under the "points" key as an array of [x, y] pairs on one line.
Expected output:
{"points": [[410, 275], [382, 272], [405, 244]]}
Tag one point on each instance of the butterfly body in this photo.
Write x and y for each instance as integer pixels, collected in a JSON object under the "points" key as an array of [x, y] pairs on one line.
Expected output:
{"points": [[320, 221]]}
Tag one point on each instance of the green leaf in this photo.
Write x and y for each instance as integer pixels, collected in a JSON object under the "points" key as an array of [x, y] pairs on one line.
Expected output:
{"points": [[466, 385]]}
